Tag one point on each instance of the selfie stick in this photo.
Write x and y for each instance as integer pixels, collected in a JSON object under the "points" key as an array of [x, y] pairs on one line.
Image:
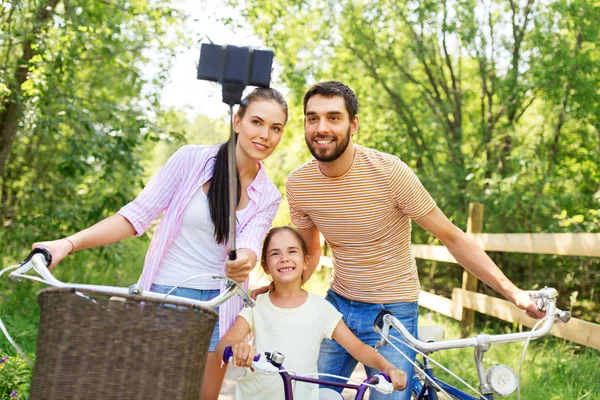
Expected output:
{"points": [[234, 68], [233, 185]]}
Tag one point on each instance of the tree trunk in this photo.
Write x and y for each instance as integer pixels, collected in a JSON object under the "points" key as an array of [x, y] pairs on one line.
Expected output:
{"points": [[11, 115]]}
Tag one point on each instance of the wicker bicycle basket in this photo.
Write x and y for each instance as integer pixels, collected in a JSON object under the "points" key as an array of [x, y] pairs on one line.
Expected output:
{"points": [[97, 346]]}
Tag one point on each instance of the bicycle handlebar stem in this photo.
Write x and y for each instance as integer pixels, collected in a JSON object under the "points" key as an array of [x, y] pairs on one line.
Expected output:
{"points": [[483, 344]]}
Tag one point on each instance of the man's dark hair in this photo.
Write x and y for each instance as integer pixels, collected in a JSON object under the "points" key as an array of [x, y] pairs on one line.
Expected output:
{"points": [[332, 89]]}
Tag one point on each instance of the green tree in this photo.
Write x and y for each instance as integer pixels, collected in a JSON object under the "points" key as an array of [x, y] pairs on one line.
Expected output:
{"points": [[77, 107], [490, 101]]}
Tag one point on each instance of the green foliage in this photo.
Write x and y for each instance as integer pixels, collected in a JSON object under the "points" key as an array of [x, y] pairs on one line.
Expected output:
{"points": [[494, 102], [14, 377], [88, 110], [88, 118], [175, 130]]}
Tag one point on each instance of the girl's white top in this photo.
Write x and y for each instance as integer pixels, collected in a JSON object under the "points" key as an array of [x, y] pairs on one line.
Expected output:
{"points": [[297, 333]]}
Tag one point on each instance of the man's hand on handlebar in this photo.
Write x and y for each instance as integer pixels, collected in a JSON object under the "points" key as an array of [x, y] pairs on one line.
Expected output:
{"points": [[525, 302]]}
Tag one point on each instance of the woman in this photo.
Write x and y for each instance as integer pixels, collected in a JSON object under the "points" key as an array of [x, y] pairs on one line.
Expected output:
{"points": [[191, 239]]}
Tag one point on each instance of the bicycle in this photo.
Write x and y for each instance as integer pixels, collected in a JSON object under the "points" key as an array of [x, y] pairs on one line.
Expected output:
{"points": [[498, 380], [98, 341], [272, 363]]}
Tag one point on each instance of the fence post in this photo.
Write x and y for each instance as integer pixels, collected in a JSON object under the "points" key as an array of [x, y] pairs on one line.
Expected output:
{"points": [[469, 281]]}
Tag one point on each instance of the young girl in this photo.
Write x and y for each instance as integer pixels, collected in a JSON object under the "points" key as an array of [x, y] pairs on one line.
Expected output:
{"points": [[191, 239], [293, 322]]}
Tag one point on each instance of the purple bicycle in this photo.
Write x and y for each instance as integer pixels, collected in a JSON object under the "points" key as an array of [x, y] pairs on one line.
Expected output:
{"points": [[272, 363]]}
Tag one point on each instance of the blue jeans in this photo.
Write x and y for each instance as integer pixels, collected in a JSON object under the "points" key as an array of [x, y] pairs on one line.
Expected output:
{"points": [[196, 294], [359, 317]]}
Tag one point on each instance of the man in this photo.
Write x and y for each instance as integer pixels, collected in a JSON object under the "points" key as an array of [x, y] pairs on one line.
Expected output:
{"points": [[363, 202]]}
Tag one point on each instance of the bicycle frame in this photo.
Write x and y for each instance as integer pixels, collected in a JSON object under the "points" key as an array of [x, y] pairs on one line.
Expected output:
{"points": [[428, 392], [361, 390]]}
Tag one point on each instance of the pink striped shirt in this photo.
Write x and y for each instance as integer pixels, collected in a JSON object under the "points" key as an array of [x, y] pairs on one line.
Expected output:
{"points": [[171, 189]]}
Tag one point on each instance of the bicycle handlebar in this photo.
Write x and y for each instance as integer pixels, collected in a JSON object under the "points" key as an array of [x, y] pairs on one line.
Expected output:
{"points": [[40, 258], [272, 363], [546, 296], [26, 265], [228, 354]]}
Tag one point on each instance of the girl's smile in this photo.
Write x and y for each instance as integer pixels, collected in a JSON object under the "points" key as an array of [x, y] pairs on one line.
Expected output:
{"points": [[286, 269]]}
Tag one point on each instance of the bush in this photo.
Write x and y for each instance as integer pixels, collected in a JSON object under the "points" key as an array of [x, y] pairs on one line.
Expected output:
{"points": [[15, 375]]}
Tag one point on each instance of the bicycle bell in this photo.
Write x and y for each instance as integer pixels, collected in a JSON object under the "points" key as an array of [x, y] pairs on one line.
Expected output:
{"points": [[501, 379], [276, 358]]}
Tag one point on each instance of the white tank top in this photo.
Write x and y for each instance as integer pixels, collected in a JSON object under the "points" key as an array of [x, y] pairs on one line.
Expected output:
{"points": [[194, 250]]}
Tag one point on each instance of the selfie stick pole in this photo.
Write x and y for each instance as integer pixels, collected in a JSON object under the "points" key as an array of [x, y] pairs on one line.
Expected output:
{"points": [[234, 68], [233, 185]]}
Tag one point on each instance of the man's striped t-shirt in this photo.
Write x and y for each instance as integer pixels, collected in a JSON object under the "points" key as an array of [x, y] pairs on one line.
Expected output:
{"points": [[365, 216]]}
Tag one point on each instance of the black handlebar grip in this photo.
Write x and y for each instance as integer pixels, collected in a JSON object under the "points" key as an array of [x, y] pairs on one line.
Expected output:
{"points": [[379, 318], [39, 250]]}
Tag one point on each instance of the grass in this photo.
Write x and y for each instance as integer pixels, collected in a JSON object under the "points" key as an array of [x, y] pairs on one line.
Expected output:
{"points": [[552, 369]]}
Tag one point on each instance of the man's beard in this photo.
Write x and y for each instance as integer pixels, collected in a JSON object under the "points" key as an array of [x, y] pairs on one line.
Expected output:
{"points": [[338, 150]]}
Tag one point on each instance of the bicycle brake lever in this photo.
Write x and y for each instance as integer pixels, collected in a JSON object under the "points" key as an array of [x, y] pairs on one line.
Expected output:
{"points": [[544, 293], [542, 296], [562, 316], [381, 327], [265, 366], [248, 302]]}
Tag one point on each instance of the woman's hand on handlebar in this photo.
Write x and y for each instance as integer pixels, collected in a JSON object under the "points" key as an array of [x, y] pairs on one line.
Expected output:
{"points": [[58, 248], [243, 354]]}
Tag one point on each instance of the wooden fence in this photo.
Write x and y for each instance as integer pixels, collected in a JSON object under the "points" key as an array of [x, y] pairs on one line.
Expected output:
{"points": [[466, 301]]}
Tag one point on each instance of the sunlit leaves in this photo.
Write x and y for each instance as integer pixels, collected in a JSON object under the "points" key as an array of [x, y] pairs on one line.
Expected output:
{"points": [[88, 107]]}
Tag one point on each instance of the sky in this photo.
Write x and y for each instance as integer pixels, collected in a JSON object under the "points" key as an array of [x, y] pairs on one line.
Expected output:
{"points": [[184, 91]]}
